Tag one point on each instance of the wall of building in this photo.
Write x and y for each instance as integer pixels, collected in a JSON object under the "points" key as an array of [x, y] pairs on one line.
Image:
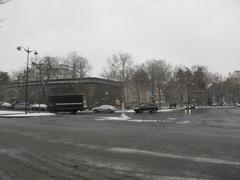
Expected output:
{"points": [[97, 91]]}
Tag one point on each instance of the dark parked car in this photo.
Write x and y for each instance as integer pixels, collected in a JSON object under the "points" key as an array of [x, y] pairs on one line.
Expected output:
{"points": [[20, 106], [190, 106], [146, 107]]}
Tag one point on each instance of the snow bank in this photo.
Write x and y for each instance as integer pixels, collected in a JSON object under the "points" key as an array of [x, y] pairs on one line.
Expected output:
{"points": [[11, 112], [162, 110], [124, 117], [22, 114], [184, 122]]}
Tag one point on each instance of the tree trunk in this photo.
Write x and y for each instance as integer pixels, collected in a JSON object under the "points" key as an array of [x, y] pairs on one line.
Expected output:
{"points": [[123, 97], [159, 97], [138, 93]]}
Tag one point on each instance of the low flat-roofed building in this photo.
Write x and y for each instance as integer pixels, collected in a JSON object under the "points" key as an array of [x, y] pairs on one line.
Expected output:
{"points": [[235, 75], [97, 91]]}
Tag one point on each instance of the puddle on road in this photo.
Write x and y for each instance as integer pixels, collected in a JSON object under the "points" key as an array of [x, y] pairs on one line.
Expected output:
{"points": [[126, 119], [168, 120], [184, 122], [166, 177]]}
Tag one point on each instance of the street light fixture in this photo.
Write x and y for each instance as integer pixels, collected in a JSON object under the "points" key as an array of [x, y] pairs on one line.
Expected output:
{"points": [[28, 51], [106, 94]]}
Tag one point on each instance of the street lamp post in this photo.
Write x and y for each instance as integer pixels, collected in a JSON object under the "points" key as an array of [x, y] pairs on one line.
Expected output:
{"points": [[28, 51], [106, 95]]}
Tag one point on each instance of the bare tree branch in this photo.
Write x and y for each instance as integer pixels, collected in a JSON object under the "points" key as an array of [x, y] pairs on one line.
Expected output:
{"points": [[119, 68], [4, 1], [79, 66]]}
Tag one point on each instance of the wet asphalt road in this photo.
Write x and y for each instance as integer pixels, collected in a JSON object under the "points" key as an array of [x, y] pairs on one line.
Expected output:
{"points": [[167, 145]]}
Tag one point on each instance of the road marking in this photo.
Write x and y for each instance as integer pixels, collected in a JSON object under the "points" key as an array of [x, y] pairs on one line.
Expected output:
{"points": [[167, 155], [169, 178], [151, 153], [157, 154], [142, 152], [120, 168]]}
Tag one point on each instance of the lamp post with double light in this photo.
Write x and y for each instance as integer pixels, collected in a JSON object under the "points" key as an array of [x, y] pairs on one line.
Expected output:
{"points": [[28, 51]]}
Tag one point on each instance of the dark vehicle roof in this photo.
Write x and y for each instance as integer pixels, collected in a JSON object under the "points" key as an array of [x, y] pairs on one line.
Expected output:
{"points": [[66, 95], [148, 105], [65, 98]]}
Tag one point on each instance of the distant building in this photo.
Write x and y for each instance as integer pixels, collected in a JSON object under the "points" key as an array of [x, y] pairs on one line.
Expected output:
{"points": [[235, 75], [97, 91]]}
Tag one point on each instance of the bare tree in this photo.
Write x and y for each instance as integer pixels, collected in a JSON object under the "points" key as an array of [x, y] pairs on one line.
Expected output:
{"points": [[79, 66], [140, 81], [18, 77], [45, 70], [3, 2], [177, 86], [159, 72], [4, 80], [119, 68], [192, 83]]}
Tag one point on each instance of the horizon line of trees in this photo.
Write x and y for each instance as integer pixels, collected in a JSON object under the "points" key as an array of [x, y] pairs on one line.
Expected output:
{"points": [[164, 81]]}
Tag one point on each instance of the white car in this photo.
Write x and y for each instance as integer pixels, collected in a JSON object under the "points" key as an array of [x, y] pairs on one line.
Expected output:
{"points": [[237, 104], [5, 105], [104, 108], [37, 107]]}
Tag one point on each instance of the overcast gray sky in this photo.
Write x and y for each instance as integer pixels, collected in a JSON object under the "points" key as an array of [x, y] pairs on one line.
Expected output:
{"points": [[187, 32]]}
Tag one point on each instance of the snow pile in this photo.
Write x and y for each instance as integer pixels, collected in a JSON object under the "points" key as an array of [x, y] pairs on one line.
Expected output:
{"points": [[126, 111], [184, 122], [11, 112], [169, 110], [22, 114], [123, 117]]}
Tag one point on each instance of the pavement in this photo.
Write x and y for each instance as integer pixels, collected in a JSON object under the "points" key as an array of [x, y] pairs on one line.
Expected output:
{"points": [[203, 145]]}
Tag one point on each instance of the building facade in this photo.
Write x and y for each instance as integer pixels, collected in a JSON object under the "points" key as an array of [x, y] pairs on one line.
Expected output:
{"points": [[97, 91]]}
